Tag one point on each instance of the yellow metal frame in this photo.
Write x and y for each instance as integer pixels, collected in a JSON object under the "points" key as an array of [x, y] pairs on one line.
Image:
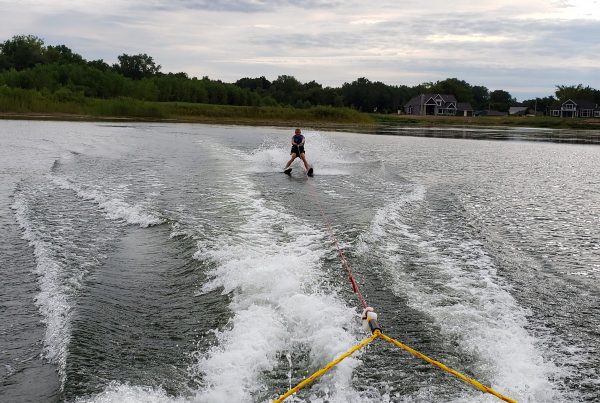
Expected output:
{"points": [[378, 334]]}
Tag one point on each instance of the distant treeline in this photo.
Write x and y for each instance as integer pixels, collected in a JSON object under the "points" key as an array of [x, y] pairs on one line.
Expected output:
{"points": [[58, 72]]}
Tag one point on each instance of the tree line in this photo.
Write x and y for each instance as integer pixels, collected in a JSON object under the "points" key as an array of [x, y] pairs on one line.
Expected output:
{"points": [[27, 63]]}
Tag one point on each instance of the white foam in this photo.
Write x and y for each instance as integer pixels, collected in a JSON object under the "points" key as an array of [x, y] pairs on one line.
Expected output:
{"points": [[488, 322], [277, 305], [114, 206], [117, 392], [381, 220], [467, 301], [52, 299], [584, 273], [321, 153]]}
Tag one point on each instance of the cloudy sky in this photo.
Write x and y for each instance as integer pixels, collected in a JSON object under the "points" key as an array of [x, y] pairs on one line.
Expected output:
{"points": [[524, 47]]}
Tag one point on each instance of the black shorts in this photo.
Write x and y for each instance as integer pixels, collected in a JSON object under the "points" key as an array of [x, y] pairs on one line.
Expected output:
{"points": [[297, 150]]}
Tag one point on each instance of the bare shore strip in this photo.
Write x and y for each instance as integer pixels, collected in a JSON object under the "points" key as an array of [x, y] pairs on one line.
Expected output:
{"points": [[538, 128]]}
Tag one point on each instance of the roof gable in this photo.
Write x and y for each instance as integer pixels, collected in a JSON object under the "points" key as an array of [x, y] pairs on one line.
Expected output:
{"points": [[430, 99], [580, 103]]}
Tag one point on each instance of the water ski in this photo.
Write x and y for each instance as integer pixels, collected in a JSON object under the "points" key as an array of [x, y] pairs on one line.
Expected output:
{"points": [[310, 172], [288, 171]]}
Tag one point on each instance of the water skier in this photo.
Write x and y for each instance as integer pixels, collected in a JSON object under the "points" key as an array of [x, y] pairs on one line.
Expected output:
{"points": [[298, 151]]}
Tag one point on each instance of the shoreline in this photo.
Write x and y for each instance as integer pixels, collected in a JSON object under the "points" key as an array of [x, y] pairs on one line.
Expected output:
{"points": [[448, 127], [66, 117]]}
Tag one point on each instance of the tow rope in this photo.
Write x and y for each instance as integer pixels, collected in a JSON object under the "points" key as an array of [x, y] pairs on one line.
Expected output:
{"points": [[369, 321], [340, 251]]}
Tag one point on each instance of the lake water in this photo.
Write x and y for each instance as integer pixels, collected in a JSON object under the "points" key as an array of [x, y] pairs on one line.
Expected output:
{"points": [[174, 262]]}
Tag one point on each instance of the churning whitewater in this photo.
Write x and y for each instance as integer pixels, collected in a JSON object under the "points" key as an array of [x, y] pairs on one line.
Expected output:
{"points": [[177, 263]]}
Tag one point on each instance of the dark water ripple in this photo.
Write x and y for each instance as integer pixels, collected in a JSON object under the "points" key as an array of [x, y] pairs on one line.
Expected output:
{"points": [[175, 263]]}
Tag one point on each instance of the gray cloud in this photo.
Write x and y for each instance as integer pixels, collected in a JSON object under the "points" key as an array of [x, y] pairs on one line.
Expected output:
{"points": [[526, 48], [465, 32], [245, 6], [525, 57]]}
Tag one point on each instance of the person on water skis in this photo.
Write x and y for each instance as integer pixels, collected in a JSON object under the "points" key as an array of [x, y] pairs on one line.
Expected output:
{"points": [[298, 151]]}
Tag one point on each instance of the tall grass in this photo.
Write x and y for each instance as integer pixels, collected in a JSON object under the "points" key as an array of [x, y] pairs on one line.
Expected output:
{"points": [[64, 101]]}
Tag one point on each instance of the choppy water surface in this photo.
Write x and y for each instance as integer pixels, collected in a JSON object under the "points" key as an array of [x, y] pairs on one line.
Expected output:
{"points": [[156, 262]]}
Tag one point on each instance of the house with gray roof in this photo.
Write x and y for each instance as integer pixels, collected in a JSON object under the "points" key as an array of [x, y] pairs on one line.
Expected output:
{"points": [[437, 105], [464, 109], [518, 110], [575, 108]]}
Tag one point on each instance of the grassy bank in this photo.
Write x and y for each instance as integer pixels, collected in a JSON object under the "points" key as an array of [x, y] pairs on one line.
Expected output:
{"points": [[70, 105], [67, 105], [507, 121]]}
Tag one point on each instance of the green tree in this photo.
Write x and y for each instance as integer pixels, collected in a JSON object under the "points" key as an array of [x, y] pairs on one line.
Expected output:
{"points": [[481, 97], [359, 94], [564, 92], [61, 54], [136, 66], [21, 52], [501, 100], [540, 104], [459, 88], [369, 96], [99, 64], [255, 84], [285, 89]]}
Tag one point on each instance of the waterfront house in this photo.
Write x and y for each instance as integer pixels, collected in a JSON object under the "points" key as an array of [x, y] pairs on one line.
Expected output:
{"points": [[575, 108], [437, 105], [518, 110], [464, 109]]}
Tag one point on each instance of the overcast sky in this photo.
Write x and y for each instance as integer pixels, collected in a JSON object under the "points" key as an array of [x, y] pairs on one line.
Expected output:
{"points": [[526, 47]]}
